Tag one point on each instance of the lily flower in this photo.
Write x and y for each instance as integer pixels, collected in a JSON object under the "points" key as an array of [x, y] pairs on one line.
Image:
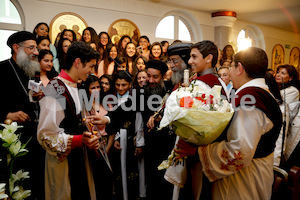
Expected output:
{"points": [[8, 136], [2, 191], [12, 187], [20, 175], [21, 194], [15, 148], [12, 127]]}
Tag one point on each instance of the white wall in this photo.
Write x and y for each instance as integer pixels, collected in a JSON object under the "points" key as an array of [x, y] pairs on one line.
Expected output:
{"points": [[99, 14]]}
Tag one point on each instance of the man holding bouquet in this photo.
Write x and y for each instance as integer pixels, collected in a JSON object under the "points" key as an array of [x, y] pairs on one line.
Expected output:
{"points": [[241, 165]]}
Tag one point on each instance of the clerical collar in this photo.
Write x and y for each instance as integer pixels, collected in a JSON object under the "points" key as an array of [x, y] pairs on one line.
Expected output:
{"points": [[124, 96], [207, 71], [63, 74]]}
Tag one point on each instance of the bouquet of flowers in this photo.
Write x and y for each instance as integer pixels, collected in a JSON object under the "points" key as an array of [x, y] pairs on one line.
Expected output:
{"points": [[197, 115]]}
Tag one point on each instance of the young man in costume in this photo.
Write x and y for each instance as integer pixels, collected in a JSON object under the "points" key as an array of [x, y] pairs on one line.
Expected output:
{"points": [[67, 173], [241, 165]]}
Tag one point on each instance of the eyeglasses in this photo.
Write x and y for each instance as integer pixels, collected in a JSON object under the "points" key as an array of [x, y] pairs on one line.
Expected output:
{"points": [[31, 48], [105, 38], [174, 61], [104, 83]]}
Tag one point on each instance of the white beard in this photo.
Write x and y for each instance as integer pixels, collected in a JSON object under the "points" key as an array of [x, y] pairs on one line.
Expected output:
{"points": [[177, 74], [30, 67]]}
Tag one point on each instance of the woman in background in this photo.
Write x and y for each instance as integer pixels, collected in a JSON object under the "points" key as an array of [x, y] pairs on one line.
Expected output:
{"points": [[62, 48], [228, 53], [43, 42], [287, 79], [165, 44], [104, 41], [122, 44], [130, 55], [144, 43], [156, 51], [107, 65], [69, 34], [45, 58], [89, 35], [139, 64]]}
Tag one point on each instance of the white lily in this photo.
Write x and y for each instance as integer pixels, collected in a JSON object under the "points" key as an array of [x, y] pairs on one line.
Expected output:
{"points": [[8, 136], [20, 175], [12, 187], [2, 191], [12, 127], [21, 194], [15, 148]]}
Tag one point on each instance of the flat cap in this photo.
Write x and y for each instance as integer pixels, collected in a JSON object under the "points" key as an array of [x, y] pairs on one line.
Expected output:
{"points": [[18, 37], [157, 64]]}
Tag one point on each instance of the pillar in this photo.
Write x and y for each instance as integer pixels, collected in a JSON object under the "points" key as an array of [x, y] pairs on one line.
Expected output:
{"points": [[223, 22]]}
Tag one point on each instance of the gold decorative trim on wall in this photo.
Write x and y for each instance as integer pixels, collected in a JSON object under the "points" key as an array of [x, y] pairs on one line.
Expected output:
{"points": [[68, 20], [277, 56], [295, 58], [122, 27]]}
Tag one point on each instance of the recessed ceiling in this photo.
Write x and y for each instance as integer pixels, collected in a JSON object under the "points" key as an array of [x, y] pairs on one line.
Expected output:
{"points": [[282, 14]]}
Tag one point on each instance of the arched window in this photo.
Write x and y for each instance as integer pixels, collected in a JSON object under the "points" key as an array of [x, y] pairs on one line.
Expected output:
{"points": [[175, 27], [250, 36], [11, 20]]}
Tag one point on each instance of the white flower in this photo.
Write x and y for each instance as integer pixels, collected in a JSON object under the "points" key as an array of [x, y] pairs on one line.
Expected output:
{"points": [[7, 136], [21, 194], [12, 187], [2, 191], [15, 148], [12, 127], [20, 175]]}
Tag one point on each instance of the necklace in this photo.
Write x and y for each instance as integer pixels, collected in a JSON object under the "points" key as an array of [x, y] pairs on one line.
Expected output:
{"points": [[18, 78]]}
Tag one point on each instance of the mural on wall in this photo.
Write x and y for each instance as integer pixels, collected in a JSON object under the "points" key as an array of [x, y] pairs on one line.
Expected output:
{"points": [[295, 58], [277, 56], [66, 20], [122, 27]]}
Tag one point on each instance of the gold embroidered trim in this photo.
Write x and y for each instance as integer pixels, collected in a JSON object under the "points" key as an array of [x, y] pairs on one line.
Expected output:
{"points": [[62, 156]]}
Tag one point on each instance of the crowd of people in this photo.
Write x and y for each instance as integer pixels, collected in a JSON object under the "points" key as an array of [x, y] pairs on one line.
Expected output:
{"points": [[94, 132]]}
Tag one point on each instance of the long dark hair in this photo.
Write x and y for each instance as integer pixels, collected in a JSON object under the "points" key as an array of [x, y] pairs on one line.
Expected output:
{"points": [[94, 36], [109, 40], [151, 47], [291, 70], [110, 79], [273, 87], [224, 56], [73, 34], [52, 73], [146, 38], [61, 55], [120, 48], [106, 57], [38, 25]]}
